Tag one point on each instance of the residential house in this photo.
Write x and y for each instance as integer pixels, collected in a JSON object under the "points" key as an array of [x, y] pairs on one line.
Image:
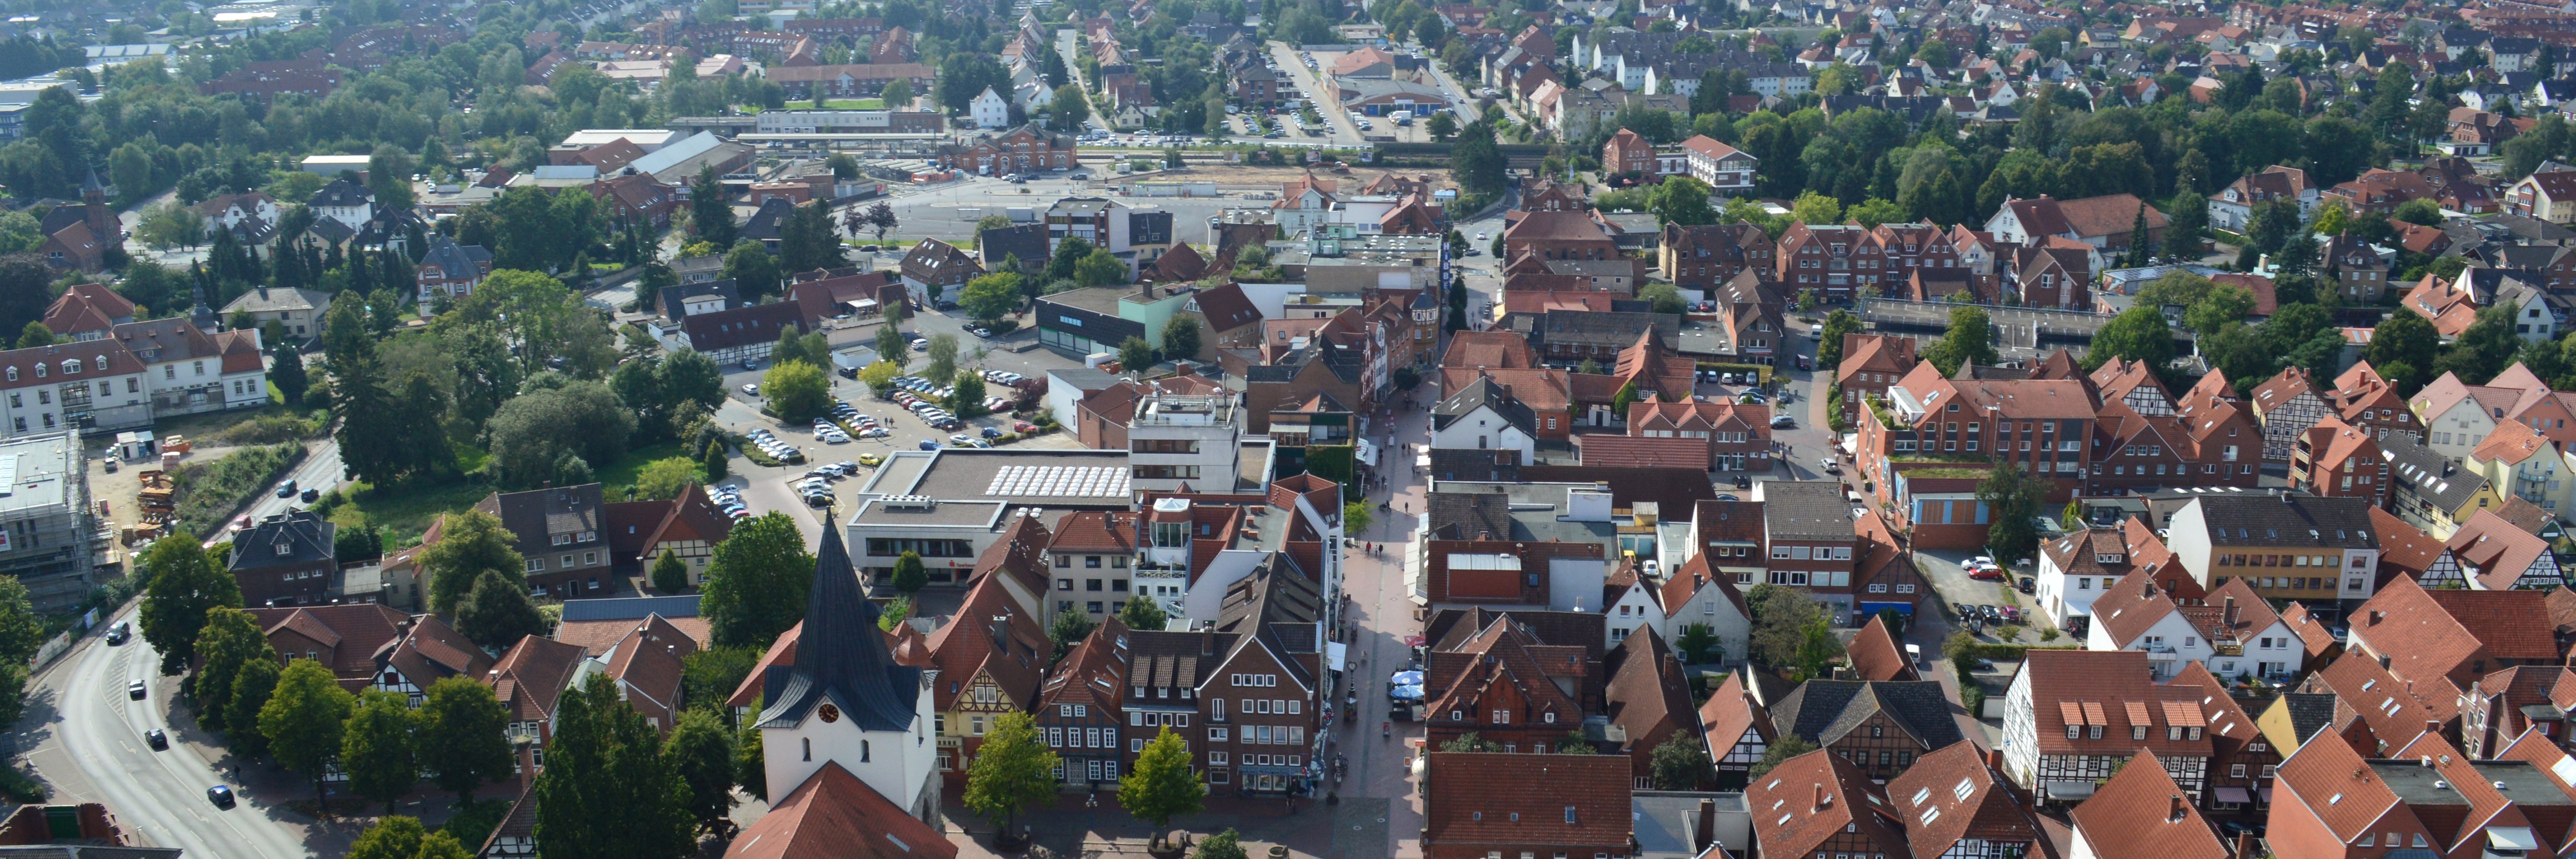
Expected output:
{"points": [[1820, 803], [2491, 553], [1508, 685], [1078, 709], [2431, 636], [2141, 813], [2104, 222], [989, 659], [285, 559], [1871, 363], [1953, 803], [2335, 459], [1477, 805], [1882, 727], [1725, 169], [2232, 633], [451, 270], [2072, 718], [2430, 491], [2284, 546], [1735, 733], [86, 311], [2078, 568], [562, 534], [1647, 699], [2232, 208], [298, 311]]}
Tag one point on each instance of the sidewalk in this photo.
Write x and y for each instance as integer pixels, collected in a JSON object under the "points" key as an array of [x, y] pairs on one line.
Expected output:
{"points": [[1072, 828]]}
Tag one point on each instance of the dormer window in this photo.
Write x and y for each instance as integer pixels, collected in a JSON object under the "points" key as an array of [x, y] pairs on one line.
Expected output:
{"points": [[40, 369], [71, 366]]}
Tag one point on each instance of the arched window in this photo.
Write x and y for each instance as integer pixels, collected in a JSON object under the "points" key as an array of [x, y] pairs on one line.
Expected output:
{"points": [[809, 748]]}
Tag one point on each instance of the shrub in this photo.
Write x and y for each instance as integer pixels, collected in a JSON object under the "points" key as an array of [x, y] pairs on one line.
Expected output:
{"points": [[209, 492], [270, 429], [1973, 698]]}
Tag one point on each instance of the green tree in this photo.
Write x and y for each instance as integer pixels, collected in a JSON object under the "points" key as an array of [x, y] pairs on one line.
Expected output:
{"points": [[1969, 340], [1137, 356], [1142, 612], [286, 371], [909, 574], [749, 769], [1875, 211], [752, 269], [443, 845], [1680, 763], [710, 211], [1229, 844], [1697, 644], [497, 612], [1068, 628], [253, 685], [185, 585], [231, 639], [1012, 773], [1664, 297], [2012, 498], [1781, 617], [1356, 518], [797, 391], [1070, 108], [664, 479], [473, 542], [1101, 268], [756, 584], [701, 751], [2138, 334], [2223, 304], [941, 355], [376, 748], [670, 575], [304, 719], [1162, 786], [1181, 337], [35, 335], [1681, 200], [2423, 212], [1829, 346], [463, 737], [1780, 751], [966, 394], [990, 297], [608, 792], [1441, 125], [392, 837], [2185, 220], [2408, 339], [879, 376]]}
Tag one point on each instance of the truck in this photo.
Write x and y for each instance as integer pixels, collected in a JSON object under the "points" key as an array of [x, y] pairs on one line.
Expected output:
{"points": [[1022, 214]]}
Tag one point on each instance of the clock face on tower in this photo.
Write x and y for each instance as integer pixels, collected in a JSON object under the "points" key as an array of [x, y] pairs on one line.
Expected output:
{"points": [[829, 713]]}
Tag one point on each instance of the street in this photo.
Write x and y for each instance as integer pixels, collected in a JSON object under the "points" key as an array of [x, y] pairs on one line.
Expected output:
{"points": [[320, 472], [85, 739]]}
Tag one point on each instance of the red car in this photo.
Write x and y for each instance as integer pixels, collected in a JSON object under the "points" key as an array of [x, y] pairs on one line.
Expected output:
{"points": [[1986, 571], [1023, 427]]}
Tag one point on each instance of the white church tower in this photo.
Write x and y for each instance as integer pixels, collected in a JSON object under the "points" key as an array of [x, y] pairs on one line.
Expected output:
{"points": [[845, 700]]}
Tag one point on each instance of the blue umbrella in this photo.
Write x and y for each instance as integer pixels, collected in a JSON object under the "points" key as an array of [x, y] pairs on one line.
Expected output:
{"points": [[1405, 678], [1405, 693]]}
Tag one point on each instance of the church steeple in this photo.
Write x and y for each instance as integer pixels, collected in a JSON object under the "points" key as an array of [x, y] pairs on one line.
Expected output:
{"points": [[841, 657]]}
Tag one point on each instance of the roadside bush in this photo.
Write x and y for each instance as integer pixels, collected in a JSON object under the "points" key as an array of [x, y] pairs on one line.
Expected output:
{"points": [[271, 429], [209, 492], [1974, 699], [20, 786]]}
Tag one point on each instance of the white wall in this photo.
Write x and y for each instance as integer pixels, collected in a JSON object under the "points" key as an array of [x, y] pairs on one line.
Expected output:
{"points": [[1575, 582], [899, 766], [1483, 429]]}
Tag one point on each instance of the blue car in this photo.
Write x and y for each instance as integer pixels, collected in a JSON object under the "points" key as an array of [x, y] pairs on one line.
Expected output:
{"points": [[992, 432], [927, 444]]}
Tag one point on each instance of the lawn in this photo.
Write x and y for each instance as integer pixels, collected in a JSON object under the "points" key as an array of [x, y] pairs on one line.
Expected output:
{"points": [[407, 511], [618, 476]]}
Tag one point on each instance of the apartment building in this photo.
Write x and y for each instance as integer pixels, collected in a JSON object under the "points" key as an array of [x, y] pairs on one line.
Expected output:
{"points": [[2285, 546]]}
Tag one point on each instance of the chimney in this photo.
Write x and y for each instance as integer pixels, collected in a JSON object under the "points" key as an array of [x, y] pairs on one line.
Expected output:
{"points": [[2245, 845], [1207, 641], [2231, 612], [527, 766], [1823, 800], [2177, 811], [1706, 833]]}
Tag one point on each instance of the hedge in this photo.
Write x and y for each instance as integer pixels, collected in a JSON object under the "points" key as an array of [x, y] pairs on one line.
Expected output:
{"points": [[2017, 652]]}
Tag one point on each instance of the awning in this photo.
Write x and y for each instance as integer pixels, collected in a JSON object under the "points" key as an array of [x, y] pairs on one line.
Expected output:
{"points": [[2266, 794], [1405, 678], [1367, 452], [2511, 838], [2070, 789], [2234, 794], [1336, 654], [1903, 608], [862, 304], [1405, 693]]}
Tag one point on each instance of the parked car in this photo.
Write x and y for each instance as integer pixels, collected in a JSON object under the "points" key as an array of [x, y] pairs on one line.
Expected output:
{"points": [[1023, 427], [2025, 585], [1783, 422], [992, 432], [1986, 571], [927, 444], [751, 390]]}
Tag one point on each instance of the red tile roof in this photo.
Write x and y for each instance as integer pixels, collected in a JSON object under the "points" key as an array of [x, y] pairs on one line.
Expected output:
{"points": [[1485, 798], [1876, 656], [1638, 451], [2142, 814], [833, 815], [1814, 797], [1929, 794]]}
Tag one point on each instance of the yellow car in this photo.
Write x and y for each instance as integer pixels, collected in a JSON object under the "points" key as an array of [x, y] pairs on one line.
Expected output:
{"points": [[871, 460]]}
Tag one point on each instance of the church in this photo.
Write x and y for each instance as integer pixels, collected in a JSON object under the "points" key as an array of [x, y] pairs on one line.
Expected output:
{"points": [[846, 737]]}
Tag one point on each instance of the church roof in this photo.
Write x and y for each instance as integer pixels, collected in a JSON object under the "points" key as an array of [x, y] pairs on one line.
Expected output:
{"points": [[841, 659]]}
